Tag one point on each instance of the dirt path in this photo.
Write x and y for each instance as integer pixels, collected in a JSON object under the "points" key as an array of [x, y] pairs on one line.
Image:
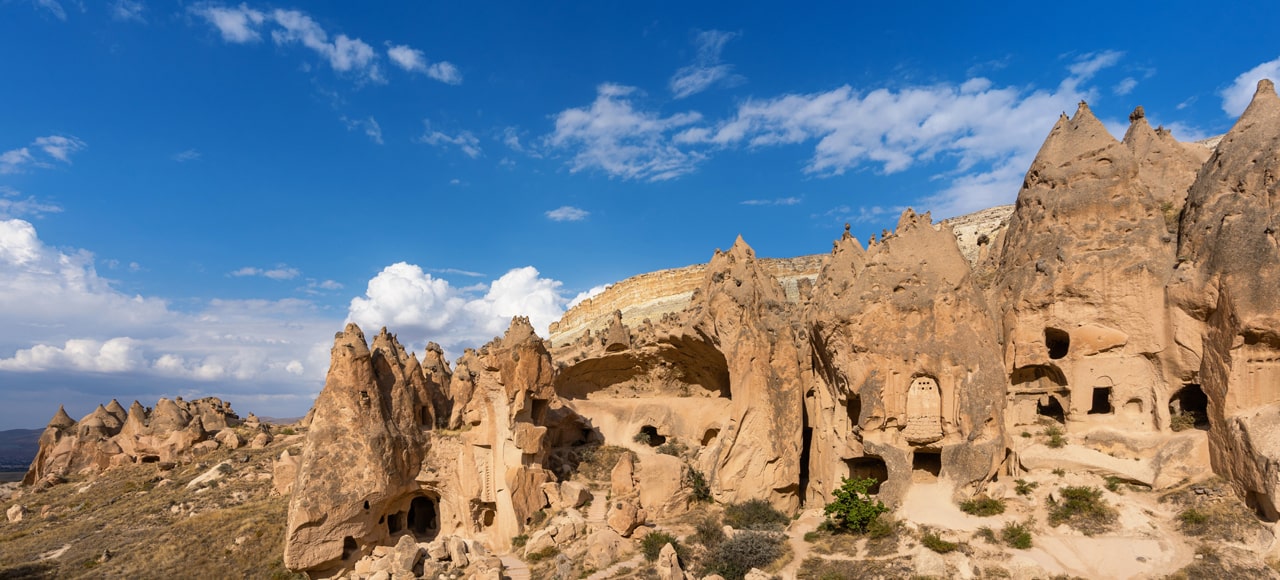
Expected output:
{"points": [[807, 522], [514, 568], [599, 508]]}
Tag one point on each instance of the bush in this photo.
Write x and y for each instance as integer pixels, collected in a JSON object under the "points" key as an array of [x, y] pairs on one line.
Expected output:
{"points": [[853, 509], [882, 527], [1182, 421], [754, 514], [698, 485], [652, 545], [642, 438], [672, 447], [1024, 487], [983, 506], [934, 542], [1082, 508], [1060, 472], [290, 431], [519, 541], [1193, 521], [986, 533], [1017, 535], [1054, 433], [736, 556], [708, 532], [1113, 484]]}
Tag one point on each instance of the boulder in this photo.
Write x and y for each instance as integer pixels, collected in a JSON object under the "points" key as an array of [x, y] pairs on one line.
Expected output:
{"points": [[16, 512], [668, 564]]}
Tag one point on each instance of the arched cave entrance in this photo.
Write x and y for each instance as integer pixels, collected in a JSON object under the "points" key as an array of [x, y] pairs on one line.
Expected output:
{"points": [[424, 519], [854, 407], [1057, 341], [869, 466], [1190, 406]]}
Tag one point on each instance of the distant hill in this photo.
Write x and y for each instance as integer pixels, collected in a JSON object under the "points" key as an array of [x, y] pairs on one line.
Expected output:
{"points": [[18, 448]]}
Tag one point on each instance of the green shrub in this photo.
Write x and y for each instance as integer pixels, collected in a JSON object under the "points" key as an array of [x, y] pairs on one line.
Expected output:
{"points": [[1060, 472], [1113, 484], [708, 532], [882, 527], [672, 447], [652, 545], [1193, 521], [934, 542], [986, 533], [755, 514], [1054, 433], [1026, 435], [812, 537], [1017, 535], [1024, 487], [519, 541], [701, 492], [1082, 508], [290, 431], [736, 556], [983, 506], [642, 438], [853, 509]]}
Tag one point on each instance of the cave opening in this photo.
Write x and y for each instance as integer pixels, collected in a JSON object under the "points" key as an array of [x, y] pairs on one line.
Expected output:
{"points": [[806, 440], [710, 435], [649, 435], [424, 518], [926, 466], [1058, 342], [1191, 401], [869, 466], [1101, 404], [1049, 406], [854, 407]]}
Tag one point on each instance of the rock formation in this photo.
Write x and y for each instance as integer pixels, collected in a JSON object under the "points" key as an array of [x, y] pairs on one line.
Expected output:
{"points": [[111, 435], [1129, 294]]}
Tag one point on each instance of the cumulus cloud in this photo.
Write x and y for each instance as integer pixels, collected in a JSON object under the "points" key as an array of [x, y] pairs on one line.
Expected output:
{"points": [[1235, 98], [114, 355], [586, 294], [41, 152], [706, 70], [465, 141], [567, 213], [53, 7], [280, 272], [616, 137], [414, 60], [241, 24], [420, 307]]}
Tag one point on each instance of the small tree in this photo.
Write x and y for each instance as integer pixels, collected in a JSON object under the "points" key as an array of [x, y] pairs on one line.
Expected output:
{"points": [[853, 508]]}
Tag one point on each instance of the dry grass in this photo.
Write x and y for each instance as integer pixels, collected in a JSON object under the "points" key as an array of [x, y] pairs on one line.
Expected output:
{"points": [[232, 529]]}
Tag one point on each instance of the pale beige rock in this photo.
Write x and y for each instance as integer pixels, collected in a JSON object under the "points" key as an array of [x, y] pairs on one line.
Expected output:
{"points": [[622, 478], [229, 439], [405, 555], [16, 513], [624, 516], [757, 574], [603, 549], [574, 494], [457, 551], [213, 474], [668, 565]]}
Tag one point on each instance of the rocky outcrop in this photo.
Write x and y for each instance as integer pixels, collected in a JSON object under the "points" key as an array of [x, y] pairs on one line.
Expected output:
{"points": [[907, 376], [1228, 280], [374, 468], [111, 435]]}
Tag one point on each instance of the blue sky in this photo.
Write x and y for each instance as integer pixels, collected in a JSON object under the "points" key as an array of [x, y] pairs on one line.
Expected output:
{"points": [[195, 196]]}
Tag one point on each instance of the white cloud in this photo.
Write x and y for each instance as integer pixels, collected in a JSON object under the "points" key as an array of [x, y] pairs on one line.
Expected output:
{"points": [[241, 24], [280, 272], [420, 308], [1125, 86], [46, 151], [1235, 98], [567, 213], [457, 271], [582, 296], [706, 70], [185, 156], [369, 127], [53, 7], [464, 140], [73, 337], [989, 133], [238, 24], [345, 54], [413, 60], [775, 201], [861, 214], [126, 10], [12, 206], [615, 137]]}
